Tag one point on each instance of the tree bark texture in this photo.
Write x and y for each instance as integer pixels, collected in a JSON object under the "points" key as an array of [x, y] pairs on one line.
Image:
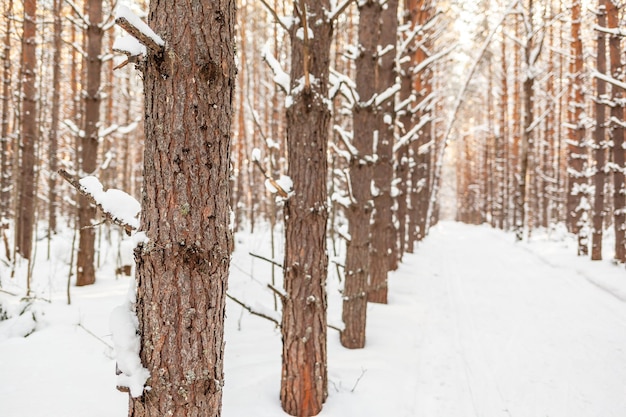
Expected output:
{"points": [[617, 134], [182, 271], [600, 141], [304, 375], [382, 253], [357, 269], [85, 271], [54, 122], [577, 202], [29, 133], [5, 159]]}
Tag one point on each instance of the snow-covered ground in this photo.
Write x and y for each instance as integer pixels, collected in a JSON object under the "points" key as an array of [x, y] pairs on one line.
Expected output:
{"points": [[477, 325]]}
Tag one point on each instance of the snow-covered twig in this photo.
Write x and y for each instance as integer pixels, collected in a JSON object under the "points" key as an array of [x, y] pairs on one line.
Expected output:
{"points": [[281, 78], [74, 182], [136, 27], [608, 79], [273, 262], [411, 135], [280, 190], [334, 14], [346, 138], [78, 12]]}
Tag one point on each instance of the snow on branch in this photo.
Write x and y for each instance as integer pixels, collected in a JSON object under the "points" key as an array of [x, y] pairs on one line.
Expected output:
{"points": [[78, 12], [411, 135], [129, 46], [346, 138], [338, 10], [386, 95], [341, 83], [610, 31], [116, 205], [283, 186], [136, 27], [281, 78], [608, 79], [417, 69]]}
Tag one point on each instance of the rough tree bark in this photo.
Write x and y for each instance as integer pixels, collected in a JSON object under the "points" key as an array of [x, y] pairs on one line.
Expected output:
{"points": [[359, 214], [54, 122], [617, 133], [531, 54], [577, 203], [5, 159], [25, 217], [600, 140], [182, 271], [304, 376], [85, 270], [382, 255]]}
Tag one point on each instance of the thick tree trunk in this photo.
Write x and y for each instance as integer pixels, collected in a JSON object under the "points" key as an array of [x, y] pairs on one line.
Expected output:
{"points": [[617, 134], [357, 269], [85, 272], [182, 271], [600, 141], [382, 254], [577, 201], [29, 133], [304, 375]]}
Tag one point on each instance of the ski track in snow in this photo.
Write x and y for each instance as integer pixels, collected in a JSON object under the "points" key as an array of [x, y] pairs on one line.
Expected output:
{"points": [[529, 338]]}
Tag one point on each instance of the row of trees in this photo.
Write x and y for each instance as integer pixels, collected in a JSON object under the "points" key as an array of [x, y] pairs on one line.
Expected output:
{"points": [[543, 144], [360, 96]]}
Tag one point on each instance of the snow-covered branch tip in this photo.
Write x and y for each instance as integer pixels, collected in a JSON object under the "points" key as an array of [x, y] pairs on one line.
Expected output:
{"points": [[281, 78], [282, 187], [117, 206], [136, 27], [334, 14]]}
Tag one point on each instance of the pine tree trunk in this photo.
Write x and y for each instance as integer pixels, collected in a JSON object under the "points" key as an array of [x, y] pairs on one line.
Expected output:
{"points": [[182, 271], [357, 271], [5, 158], [577, 202], [600, 141], [382, 256], [617, 134], [304, 376], [54, 122], [86, 273], [29, 132]]}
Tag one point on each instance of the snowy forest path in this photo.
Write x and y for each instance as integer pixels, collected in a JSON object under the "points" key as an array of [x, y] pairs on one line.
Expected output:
{"points": [[505, 333]]}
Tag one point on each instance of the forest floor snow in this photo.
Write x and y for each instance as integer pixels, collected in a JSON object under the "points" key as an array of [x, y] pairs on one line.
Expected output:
{"points": [[476, 325]]}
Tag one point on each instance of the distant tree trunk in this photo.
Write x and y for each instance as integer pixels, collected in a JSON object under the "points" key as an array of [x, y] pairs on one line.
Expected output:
{"points": [[600, 140], [577, 201], [382, 255], [86, 273], [304, 375], [528, 86], [502, 147], [5, 157], [29, 131], [357, 271], [617, 134], [54, 123], [182, 271]]}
